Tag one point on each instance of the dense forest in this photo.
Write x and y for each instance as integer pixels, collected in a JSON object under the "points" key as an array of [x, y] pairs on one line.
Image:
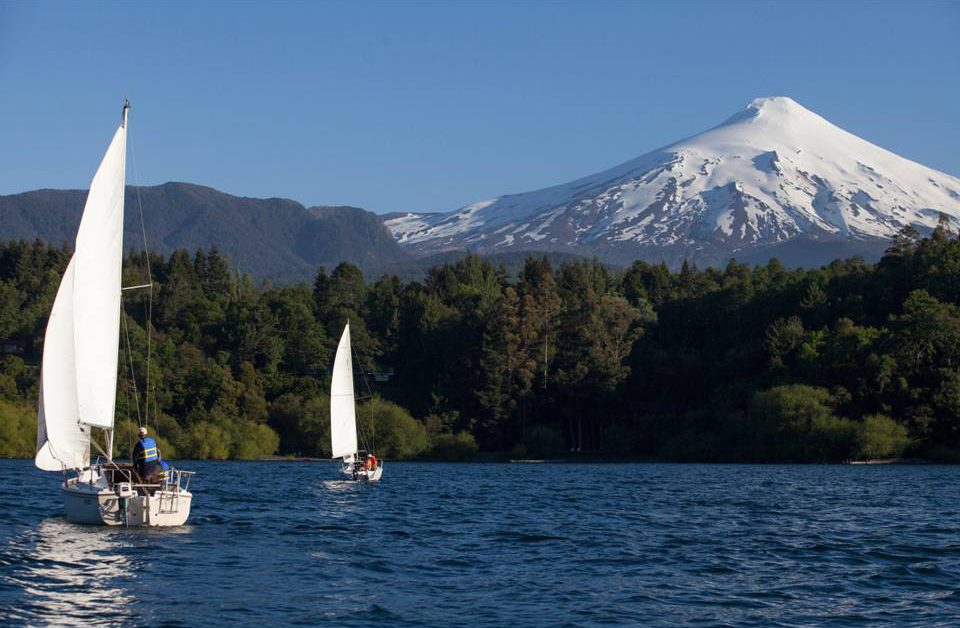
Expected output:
{"points": [[762, 363]]}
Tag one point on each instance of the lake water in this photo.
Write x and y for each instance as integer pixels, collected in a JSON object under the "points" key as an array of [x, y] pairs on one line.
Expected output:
{"points": [[500, 545]]}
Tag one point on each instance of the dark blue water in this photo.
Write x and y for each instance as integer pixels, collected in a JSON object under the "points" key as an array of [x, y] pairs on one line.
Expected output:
{"points": [[500, 545]]}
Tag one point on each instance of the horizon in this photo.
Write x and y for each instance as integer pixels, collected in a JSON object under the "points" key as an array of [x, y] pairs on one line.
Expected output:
{"points": [[427, 107]]}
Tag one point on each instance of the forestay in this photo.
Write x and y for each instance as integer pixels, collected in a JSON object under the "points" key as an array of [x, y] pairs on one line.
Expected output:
{"points": [[343, 417]]}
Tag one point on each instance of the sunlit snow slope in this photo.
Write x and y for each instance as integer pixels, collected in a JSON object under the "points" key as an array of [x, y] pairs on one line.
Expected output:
{"points": [[775, 173]]}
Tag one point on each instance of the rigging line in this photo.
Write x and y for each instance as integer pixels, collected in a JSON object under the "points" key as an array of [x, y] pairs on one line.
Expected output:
{"points": [[373, 424], [356, 360], [133, 376], [156, 419], [146, 256], [156, 414], [132, 430], [102, 452]]}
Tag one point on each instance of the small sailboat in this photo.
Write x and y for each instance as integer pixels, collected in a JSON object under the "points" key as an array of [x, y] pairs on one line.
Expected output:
{"points": [[357, 463], [78, 376]]}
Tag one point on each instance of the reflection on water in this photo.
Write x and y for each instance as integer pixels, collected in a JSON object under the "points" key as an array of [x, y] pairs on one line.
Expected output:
{"points": [[72, 575], [340, 486], [337, 505]]}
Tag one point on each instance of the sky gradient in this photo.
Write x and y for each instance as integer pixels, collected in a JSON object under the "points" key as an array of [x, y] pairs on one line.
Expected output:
{"points": [[429, 106]]}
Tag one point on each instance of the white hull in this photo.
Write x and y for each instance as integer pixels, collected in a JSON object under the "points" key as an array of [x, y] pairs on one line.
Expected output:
{"points": [[363, 475], [95, 503]]}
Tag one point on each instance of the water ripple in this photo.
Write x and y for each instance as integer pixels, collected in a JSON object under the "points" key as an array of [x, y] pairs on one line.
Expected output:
{"points": [[494, 545]]}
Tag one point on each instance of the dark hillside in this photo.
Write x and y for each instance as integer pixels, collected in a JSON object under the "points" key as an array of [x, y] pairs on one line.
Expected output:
{"points": [[273, 238]]}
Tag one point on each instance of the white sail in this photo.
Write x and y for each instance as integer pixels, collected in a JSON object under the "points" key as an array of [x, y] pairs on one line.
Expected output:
{"points": [[61, 440], [78, 378], [343, 414], [96, 294]]}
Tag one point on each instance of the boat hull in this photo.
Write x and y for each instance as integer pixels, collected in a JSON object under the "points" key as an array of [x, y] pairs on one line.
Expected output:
{"points": [[364, 475], [95, 505]]}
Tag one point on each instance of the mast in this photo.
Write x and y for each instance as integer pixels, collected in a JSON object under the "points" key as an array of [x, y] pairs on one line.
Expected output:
{"points": [[124, 115]]}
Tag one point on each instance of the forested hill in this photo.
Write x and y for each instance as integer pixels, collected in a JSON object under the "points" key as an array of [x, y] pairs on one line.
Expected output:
{"points": [[761, 363], [271, 238]]}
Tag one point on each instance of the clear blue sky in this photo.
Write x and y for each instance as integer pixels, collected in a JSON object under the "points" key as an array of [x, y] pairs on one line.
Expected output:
{"points": [[427, 106]]}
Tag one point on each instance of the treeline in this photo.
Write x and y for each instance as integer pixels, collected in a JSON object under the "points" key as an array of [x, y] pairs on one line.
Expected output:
{"points": [[852, 360]]}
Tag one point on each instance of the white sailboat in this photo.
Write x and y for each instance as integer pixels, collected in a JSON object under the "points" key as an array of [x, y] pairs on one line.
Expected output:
{"points": [[78, 377], [343, 417]]}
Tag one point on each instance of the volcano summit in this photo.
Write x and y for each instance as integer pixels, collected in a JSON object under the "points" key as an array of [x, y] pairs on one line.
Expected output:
{"points": [[774, 180]]}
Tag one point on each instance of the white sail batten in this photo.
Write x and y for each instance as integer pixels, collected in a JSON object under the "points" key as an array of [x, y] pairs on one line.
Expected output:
{"points": [[96, 295], [61, 440], [343, 414]]}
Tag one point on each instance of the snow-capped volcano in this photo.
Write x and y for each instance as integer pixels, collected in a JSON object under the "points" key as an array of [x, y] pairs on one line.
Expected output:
{"points": [[774, 173]]}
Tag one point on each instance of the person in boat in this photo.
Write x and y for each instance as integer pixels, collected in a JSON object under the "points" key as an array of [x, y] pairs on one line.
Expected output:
{"points": [[167, 476], [372, 462], [146, 458]]}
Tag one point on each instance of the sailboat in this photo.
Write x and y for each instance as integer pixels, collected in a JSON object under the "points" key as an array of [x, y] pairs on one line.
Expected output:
{"points": [[343, 417], [78, 376]]}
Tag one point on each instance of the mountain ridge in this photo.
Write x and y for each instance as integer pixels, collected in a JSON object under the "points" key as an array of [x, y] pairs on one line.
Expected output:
{"points": [[275, 238]]}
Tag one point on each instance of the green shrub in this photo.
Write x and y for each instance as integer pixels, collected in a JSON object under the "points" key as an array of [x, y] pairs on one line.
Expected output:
{"points": [[204, 441], [459, 446], [303, 424], [15, 379], [391, 430], [252, 440], [829, 438], [879, 436], [796, 422], [18, 430]]}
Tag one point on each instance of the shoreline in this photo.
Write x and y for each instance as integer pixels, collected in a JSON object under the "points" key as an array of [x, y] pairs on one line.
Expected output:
{"points": [[535, 461]]}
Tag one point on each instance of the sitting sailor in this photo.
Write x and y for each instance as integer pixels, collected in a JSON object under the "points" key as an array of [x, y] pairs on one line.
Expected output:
{"points": [[167, 473], [146, 458]]}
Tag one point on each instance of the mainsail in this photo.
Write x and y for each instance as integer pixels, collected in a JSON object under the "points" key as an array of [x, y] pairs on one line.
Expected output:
{"points": [[78, 380], [343, 415]]}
